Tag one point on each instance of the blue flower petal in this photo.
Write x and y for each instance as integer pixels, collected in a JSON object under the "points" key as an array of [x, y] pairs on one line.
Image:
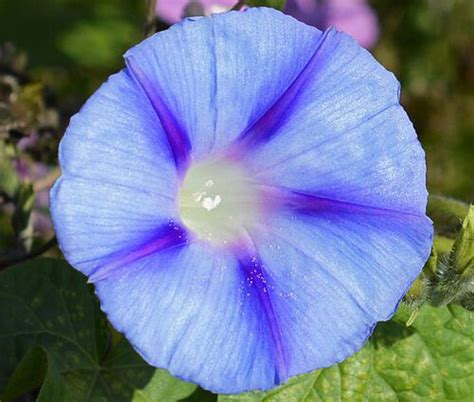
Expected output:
{"points": [[346, 137], [190, 310], [215, 77], [309, 301], [334, 273], [318, 122], [178, 139], [119, 182]]}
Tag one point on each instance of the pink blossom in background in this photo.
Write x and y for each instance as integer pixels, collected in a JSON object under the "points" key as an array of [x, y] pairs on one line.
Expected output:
{"points": [[29, 141], [172, 11], [354, 17]]}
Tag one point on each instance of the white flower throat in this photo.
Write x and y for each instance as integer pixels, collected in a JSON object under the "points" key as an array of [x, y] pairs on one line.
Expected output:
{"points": [[217, 201]]}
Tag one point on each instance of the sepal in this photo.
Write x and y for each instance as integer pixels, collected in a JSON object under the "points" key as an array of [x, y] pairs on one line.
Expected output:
{"points": [[454, 277]]}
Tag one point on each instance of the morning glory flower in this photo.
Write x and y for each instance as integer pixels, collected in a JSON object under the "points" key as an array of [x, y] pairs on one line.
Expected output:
{"points": [[172, 11], [354, 17], [247, 196]]}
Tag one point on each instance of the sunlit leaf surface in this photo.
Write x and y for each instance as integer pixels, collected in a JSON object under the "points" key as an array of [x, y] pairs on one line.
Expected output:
{"points": [[431, 360]]}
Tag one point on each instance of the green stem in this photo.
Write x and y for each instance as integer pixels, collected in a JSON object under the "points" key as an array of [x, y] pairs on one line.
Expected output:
{"points": [[24, 257]]}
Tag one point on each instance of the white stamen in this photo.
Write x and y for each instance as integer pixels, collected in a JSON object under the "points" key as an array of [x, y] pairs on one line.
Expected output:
{"points": [[216, 201], [197, 197], [208, 203]]}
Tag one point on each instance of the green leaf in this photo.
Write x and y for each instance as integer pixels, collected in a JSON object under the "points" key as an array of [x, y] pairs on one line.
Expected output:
{"points": [[200, 395], [28, 375], [46, 304], [431, 360]]}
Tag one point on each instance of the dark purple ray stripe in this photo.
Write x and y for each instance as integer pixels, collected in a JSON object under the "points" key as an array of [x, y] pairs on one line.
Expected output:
{"points": [[269, 123], [311, 204], [166, 237], [253, 271], [178, 139]]}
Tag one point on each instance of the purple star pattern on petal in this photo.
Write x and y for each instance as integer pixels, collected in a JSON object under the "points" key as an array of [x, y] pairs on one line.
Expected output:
{"points": [[247, 196]]}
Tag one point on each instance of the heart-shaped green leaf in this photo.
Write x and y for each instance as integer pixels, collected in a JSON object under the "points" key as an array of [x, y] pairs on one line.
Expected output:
{"points": [[47, 306]]}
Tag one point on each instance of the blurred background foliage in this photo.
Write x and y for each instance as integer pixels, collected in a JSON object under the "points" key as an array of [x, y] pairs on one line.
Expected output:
{"points": [[429, 44], [73, 45]]}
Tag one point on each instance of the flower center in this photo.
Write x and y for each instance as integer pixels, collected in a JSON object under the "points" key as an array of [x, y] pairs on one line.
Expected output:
{"points": [[217, 200]]}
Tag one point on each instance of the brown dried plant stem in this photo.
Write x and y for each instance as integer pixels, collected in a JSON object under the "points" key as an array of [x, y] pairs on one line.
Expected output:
{"points": [[150, 18], [240, 4]]}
